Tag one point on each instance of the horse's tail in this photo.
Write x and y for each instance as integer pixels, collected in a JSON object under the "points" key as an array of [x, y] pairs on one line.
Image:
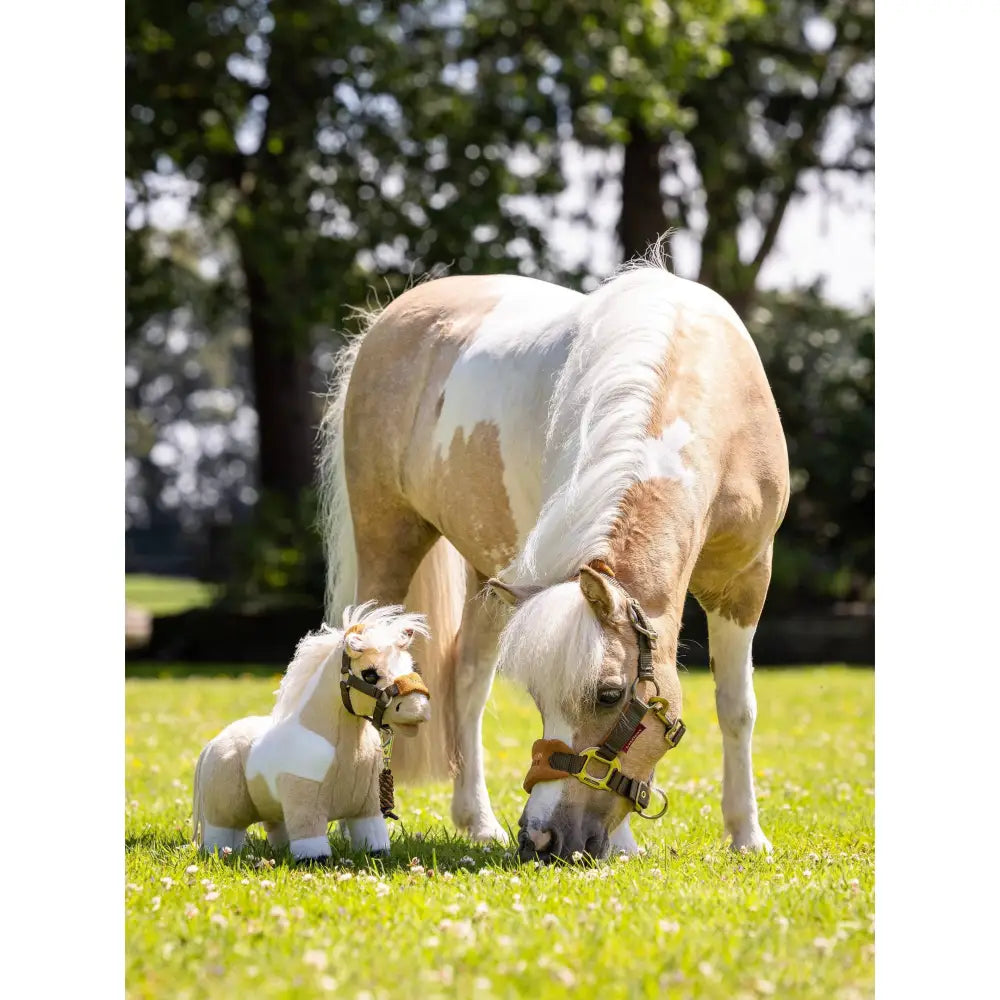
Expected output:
{"points": [[197, 820], [438, 589], [335, 521]]}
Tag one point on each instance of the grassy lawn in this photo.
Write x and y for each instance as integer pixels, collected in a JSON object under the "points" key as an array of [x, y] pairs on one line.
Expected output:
{"points": [[688, 919], [166, 595]]}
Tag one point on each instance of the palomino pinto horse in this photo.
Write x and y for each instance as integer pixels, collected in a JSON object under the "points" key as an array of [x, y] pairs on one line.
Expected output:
{"points": [[600, 455]]}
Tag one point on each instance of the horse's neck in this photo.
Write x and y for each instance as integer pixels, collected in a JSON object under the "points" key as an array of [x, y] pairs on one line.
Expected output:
{"points": [[650, 556]]}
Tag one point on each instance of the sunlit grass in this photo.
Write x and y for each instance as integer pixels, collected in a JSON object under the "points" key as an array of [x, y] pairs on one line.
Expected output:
{"points": [[167, 595], [444, 918]]}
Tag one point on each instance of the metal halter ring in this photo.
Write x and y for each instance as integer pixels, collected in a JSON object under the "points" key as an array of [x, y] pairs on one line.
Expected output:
{"points": [[649, 679], [658, 791]]}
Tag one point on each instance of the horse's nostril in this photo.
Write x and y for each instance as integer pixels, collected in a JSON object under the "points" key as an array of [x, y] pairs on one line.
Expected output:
{"points": [[542, 839], [397, 708]]}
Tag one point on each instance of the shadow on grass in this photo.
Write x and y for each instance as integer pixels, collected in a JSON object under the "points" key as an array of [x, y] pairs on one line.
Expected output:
{"points": [[441, 851]]}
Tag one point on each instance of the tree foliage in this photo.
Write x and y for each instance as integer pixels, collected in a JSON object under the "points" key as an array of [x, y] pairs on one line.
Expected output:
{"points": [[290, 160]]}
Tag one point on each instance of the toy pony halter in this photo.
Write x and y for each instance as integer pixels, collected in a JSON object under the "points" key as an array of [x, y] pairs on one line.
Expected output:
{"points": [[552, 760], [383, 698]]}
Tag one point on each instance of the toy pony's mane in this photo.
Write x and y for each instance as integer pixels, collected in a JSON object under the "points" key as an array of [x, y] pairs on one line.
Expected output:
{"points": [[383, 628]]}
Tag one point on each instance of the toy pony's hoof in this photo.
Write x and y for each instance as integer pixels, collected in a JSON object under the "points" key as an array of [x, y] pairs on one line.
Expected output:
{"points": [[322, 860]]}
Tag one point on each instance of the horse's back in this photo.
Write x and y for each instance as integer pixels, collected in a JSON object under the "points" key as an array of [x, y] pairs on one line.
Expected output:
{"points": [[451, 387], [450, 401]]}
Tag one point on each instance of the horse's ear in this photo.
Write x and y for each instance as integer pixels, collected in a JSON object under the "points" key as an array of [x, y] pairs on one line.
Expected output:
{"points": [[510, 593], [602, 595], [405, 638]]}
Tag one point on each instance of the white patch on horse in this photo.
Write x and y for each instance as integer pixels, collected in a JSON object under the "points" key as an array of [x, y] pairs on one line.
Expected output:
{"points": [[290, 748], [662, 456], [526, 336]]}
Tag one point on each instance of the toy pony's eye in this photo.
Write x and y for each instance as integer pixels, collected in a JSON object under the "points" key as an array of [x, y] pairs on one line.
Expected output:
{"points": [[369, 674], [610, 695]]}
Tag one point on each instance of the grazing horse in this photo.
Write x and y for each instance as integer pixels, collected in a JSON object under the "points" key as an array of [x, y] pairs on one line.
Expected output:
{"points": [[599, 455], [319, 755]]}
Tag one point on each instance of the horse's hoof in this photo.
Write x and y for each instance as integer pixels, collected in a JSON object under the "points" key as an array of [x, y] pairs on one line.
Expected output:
{"points": [[379, 855]]}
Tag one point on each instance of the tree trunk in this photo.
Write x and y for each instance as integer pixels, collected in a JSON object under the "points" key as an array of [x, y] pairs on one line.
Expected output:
{"points": [[282, 396], [642, 217]]}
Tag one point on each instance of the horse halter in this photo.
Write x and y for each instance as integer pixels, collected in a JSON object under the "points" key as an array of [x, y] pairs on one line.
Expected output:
{"points": [[552, 760], [383, 698]]}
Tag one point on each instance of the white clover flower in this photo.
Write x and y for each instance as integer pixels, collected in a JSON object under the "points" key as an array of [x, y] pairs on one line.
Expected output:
{"points": [[316, 958]]}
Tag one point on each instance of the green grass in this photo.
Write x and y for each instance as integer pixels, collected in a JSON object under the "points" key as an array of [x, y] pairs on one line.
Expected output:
{"points": [[167, 595], [688, 919]]}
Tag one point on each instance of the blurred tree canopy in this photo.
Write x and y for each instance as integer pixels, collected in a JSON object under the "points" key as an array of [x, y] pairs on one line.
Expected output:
{"points": [[290, 160]]}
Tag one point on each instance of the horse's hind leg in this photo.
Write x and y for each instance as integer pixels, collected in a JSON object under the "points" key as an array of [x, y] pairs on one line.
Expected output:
{"points": [[733, 611], [476, 653]]}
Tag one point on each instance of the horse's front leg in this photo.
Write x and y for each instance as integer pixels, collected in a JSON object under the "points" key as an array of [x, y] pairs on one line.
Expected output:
{"points": [[736, 704], [476, 650], [305, 812]]}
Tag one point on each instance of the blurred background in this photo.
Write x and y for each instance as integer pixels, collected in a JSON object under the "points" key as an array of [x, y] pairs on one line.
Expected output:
{"points": [[289, 162]]}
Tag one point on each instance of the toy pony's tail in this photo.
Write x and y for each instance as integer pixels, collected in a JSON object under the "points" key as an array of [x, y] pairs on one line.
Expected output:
{"points": [[197, 824]]}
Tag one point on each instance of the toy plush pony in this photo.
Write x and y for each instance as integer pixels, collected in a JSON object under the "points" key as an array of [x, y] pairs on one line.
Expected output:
{"points": [[322, 754]]}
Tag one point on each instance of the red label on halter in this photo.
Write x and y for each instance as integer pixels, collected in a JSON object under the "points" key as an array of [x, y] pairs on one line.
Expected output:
{"points": [[633, 737]]}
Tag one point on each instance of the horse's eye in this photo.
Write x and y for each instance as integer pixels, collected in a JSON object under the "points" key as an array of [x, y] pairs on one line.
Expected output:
{"points": [[370, 674], [610, 696]]}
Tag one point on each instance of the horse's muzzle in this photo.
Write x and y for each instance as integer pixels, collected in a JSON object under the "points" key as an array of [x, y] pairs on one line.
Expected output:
{"points": [[565, 838]]}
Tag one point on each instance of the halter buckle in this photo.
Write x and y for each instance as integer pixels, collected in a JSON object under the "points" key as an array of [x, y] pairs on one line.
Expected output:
{"points": [[675, 728], [590, 780]]}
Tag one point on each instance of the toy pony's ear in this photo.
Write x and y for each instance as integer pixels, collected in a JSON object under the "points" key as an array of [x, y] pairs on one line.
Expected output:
{"points": [[405, 638], [354, 644]]}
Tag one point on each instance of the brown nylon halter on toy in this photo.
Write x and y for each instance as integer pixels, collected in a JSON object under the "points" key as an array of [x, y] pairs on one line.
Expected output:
{"points": [[553, 760], [383, 697]]}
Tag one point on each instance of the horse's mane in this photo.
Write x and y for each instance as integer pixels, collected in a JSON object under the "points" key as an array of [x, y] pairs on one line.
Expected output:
{"points": [[383, 627], [598, 419]]}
